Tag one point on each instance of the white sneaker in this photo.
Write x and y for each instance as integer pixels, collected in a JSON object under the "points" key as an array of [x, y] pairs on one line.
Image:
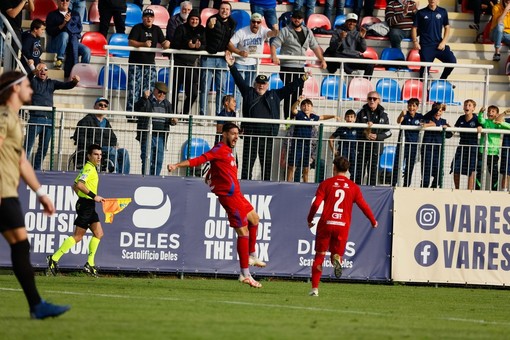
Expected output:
{"points": [[314, 292], [254, 261], [249, 281]]}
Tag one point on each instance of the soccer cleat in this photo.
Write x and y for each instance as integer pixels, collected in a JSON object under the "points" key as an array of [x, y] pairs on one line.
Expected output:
{"points": [[254, 261], [337, 265], [314, 292], [52, 266], [249, 281], [45, 310], [91, 270], [58, 64]]}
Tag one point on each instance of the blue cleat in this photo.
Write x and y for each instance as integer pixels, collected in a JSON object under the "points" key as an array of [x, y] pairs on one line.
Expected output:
{"points": [[45, 310]]}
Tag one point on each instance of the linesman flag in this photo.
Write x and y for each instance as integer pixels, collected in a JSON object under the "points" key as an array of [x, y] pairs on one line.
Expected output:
{"points": [[112, 206]]}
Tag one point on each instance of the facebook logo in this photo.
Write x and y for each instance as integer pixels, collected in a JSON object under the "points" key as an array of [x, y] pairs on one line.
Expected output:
{"points": [[427, 217], [425, 253]]}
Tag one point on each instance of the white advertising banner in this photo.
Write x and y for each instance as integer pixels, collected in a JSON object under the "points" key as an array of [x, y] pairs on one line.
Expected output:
{"points": [[451, 236]]}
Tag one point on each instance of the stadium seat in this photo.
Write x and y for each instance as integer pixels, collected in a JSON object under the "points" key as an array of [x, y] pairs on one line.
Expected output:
{"points": [[312, 62], [241, 17], [96, 42], [164, 75], [161, 15], [339, 20], [177, 10], [119, 39], [358, 88], [267, 50], [133, 15], [275, 82], [380, 4], [87, 73], [329, 88], [414, 55], [117, 79], [486, 35], [442, 91], [198, 147], [93, 13], [465, 8], [386, 163], [389, 89], [371, 53], [206, 13], [42, 8], [369, 21], [395, 54], [349, 3], [413, 88], [311, 89], [319, 21]]}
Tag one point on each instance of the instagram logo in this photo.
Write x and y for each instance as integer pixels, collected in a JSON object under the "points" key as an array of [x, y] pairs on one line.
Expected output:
{"points": [[427, 217]]}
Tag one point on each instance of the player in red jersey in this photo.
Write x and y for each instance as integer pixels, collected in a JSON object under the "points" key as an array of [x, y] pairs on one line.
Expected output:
{"points": [[222, 178], [338, 193]]}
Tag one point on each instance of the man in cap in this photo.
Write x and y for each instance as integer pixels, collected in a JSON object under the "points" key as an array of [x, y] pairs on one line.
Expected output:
{"points": [[294, 39], [249, 40], [95, 128], [142, 69], [260, 102], [348, 42], [154, 102]]}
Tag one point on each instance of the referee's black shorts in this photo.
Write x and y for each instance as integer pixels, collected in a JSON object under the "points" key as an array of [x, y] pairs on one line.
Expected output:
{"points": [[11, 216], [86, 210]]}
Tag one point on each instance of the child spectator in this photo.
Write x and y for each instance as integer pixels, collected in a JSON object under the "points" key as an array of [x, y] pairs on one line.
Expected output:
{"points": [[411, 117], [493, 142], [31, 47], [464, 162], [347, 146], [431, 148], [229, 110], [299, 151]]}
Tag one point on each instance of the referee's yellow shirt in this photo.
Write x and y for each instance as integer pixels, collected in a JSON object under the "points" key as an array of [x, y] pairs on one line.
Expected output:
{"points": [[89, 176]]}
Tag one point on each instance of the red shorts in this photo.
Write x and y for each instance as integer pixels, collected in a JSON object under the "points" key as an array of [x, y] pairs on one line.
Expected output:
{"points": [[332, 238], [237, 208]]}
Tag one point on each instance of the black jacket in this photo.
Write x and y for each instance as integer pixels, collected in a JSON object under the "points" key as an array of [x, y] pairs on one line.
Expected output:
{"points": [[183, 34], [218, 37], [88, 132], [379, 116], [145, 105]]}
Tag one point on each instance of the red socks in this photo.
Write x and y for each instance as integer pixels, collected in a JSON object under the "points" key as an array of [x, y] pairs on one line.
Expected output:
{"points": [[253, 237], [242, 250], [316, 272]]}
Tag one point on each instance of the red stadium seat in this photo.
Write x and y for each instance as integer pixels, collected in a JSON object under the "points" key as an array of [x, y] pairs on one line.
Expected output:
{"points": [[312, 62], [95, 41], [42, 8], [88, 75], [206, 13], [371, 53], [464, 7], [318, 20], [413, 88], [161, 15], [380, 4], [267, 50], [311, 89], [414, 55], [359, 88]]}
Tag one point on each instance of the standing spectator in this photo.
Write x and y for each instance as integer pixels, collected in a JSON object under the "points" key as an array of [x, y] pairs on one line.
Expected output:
{"points": [[307, 7], [464, 161], [333, 227], [79, 6], [40, 122], [222, 178], [205, 4], [65, 32], [429, 23], [218, 31], [299, 150], [500, 27], [142, 69], [31, 47], [229, 110], [246, 41], [370, 140], [16, 92], [348, 42], [260, 102], [431, 146], [267, 9], [504, 168], [411, 117], [328, 9], [188, 36], [178, 19], [294, 40], [107, 10], [348, 139], [399, 15], [12, 9], [95, 128], [157, 103]]}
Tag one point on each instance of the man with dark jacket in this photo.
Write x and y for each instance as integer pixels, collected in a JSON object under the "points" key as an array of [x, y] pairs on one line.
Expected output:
{"points": [[370, 140], [188, 36], [95, 128], [218, 31], [177, 20], [107, 10], [40, 122], [157, 103], [260, 102]]}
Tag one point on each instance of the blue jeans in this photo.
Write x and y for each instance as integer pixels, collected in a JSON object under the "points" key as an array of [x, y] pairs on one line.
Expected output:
{"points": [[38, 126], [119, 157], [498, 36], [157, 152], [268, 13], [248, 73], [79, 6], [328, 9], [140, 78], [309, 4], [58, 45], [212, 67]]}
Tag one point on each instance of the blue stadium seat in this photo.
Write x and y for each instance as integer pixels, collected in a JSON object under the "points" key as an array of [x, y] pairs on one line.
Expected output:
{"points": [[389, 89], [329, 88], [394, 54], [198, 147], [442, 91], [119, 39], [339, 20], [117, 79], [177, 10], [275, 82], [133, 15], [349, 3], [386, 163], [241, 17]]}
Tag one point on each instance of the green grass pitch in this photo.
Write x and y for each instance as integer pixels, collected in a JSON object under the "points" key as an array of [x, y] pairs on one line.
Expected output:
{"points": [[197, 308]]}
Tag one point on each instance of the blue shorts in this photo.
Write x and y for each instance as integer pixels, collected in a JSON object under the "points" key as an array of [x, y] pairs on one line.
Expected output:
{"points": [[299, 153], [464, 162], [504, 166]]}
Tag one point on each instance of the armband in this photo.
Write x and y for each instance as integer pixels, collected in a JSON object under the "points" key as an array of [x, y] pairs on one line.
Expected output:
{"points": [[91, 194], [40, 192]]}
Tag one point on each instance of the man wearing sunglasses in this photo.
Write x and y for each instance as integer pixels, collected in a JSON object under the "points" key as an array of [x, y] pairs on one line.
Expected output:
{"points": [[40, 122]]}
